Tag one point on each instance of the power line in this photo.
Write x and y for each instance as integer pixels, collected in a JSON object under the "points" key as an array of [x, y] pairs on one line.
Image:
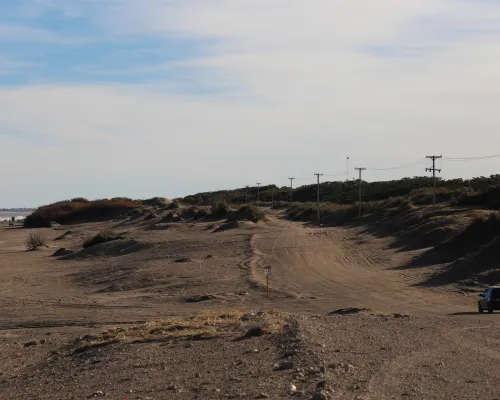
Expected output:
{"points": [[397, 167], [339, 174], [471, 158]]}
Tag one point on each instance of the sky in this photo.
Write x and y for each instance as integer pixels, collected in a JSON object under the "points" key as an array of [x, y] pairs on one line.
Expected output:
{"points": [[143, 98]]}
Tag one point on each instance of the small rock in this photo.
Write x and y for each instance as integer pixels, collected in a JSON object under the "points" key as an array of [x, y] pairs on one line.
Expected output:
{"points": [[261, 396], [254, 332], [291, 389], [31, 343], [320, 395], [299, 376], [321, 385], [290, 353], [247, 317], [312, 370], [322, 369], [396, 315], [171, 387], [43, 341], [98, 393], [188, 345], [441, 364], [242, 293], [285, 365]]}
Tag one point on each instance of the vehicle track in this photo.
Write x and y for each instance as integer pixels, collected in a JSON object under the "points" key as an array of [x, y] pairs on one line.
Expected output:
{"points": [[324, 264]]}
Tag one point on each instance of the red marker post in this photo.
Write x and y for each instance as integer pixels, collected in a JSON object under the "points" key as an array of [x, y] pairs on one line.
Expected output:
{"points": [[267, 272]]}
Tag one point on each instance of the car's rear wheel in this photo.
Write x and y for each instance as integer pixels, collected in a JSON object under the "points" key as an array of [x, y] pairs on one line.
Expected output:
{"points": [[490, 309], [479, 308]]}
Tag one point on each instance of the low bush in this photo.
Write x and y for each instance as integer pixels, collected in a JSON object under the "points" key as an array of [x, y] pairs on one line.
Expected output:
{"points": [[160, 202], [35, 241], [102, 237], [80, 200], [220, 209], [248, 213]]}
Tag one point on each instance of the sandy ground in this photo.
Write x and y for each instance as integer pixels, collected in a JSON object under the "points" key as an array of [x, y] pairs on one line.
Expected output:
{"points": [[437, 346]]}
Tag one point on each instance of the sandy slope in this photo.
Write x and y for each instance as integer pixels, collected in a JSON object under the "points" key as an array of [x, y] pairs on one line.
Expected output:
{"points": [[329, 265]]}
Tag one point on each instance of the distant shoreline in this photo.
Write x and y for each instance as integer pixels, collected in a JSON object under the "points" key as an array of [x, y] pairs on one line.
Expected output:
{"points": [[19, 215], [2, 210]]}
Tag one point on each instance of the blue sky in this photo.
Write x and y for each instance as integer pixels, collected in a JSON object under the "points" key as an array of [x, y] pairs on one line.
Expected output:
{"points": [[104, 98]]}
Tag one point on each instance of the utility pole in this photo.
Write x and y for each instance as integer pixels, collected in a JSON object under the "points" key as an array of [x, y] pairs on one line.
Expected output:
{"points": [[258, 192], [318, 175], [246, 194], [348, 169], [291, 189], [433, 170], [360, 171]]}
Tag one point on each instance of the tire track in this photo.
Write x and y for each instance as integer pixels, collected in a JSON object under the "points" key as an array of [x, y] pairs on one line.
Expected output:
{"points": [[23, 282]]}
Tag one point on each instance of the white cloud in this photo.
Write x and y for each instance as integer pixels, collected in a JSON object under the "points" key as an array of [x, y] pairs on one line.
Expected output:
{"points": [[311, 88], [10, 66], [21, 33]]}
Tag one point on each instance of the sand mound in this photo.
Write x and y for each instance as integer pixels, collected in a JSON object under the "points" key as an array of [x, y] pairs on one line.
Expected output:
{"points": [[349, 310], [113, 248], [62, 252], [183, 260], [160, 227], [170, 217], [228, 226], [234, 225], [161, 202], [206, 297]]}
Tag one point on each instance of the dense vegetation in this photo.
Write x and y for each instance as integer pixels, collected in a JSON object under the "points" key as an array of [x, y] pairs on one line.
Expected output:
{"points": [[480, 192], [79, 210]]}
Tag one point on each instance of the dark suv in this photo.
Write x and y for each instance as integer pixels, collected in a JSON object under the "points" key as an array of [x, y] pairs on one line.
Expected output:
{"points": [[489, 300]]}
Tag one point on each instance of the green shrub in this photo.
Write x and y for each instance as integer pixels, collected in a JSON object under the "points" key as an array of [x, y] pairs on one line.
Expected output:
{"points": [[102, 237]]}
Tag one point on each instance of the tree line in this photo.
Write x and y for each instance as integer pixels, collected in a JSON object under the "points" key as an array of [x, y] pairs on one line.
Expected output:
{"points": [[480, 191]]}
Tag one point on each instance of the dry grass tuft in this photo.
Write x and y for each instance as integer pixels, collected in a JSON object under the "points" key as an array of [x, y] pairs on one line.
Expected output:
{"points": [[102, 237], [202, 326], [35, 241]]}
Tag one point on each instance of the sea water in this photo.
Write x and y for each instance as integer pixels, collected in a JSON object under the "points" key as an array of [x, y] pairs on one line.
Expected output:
{"points": [[18, 215]]}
